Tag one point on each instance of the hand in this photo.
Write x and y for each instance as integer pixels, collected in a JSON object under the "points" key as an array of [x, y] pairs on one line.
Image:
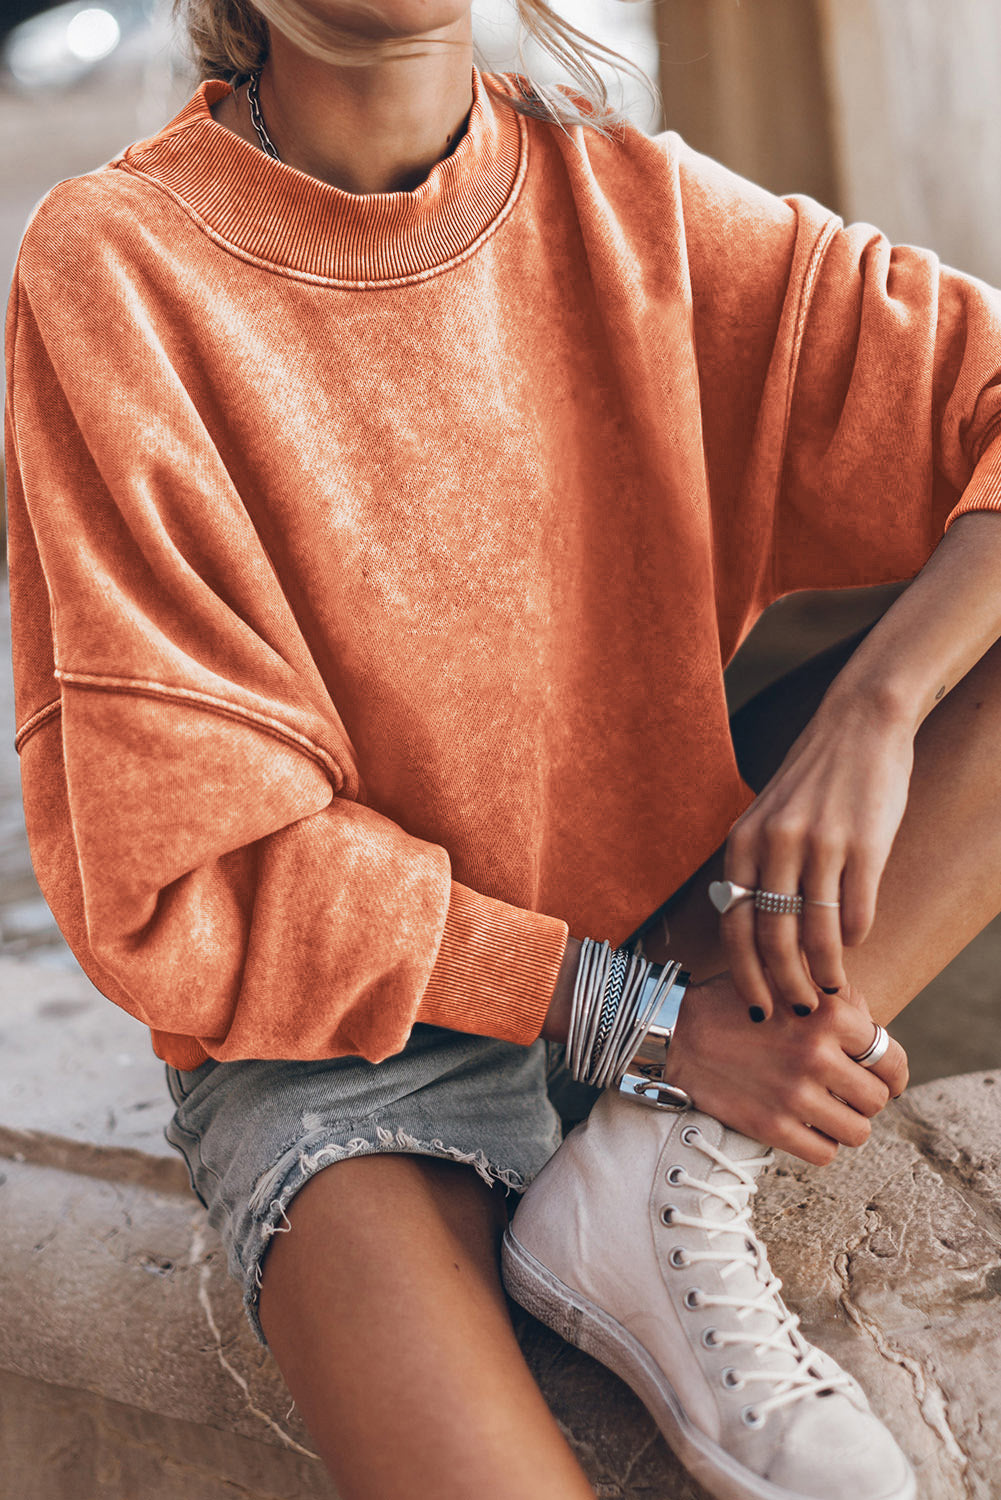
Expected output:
{"points": [[774, 1082], [823, 826]]}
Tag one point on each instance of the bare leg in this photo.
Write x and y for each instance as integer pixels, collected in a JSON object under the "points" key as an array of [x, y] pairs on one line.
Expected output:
{"points": [[383, 1307], [942, 882], [384, 1310]]}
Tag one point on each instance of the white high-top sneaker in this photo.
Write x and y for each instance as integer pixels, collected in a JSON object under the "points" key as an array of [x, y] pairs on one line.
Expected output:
{"points": [[635, 1244]]}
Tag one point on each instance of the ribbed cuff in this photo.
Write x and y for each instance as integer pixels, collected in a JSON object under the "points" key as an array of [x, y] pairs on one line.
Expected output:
{"points": [[984, 489], [496, 968], [185, 1053]]}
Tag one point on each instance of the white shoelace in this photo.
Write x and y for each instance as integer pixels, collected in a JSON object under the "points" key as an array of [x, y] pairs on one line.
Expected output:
{"points": [[794, 1384]]}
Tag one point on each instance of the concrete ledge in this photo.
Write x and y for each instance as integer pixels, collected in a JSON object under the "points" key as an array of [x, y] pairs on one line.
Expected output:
{"points": [[58, 1441], [123, 1340]]}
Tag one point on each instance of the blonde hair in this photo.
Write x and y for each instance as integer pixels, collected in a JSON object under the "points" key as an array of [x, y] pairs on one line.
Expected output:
{"points": [[229, 40]]}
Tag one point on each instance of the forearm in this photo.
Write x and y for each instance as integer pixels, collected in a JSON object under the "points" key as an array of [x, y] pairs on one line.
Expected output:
{"points": [[933, 634], [557, 1022]]}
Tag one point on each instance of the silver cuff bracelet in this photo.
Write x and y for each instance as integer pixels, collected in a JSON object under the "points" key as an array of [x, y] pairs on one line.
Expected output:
{"points": [[625, 1009], [644, 1079]]}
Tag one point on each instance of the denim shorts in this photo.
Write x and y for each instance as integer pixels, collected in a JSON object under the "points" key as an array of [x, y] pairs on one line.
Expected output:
{"points": [[252, 1133]]}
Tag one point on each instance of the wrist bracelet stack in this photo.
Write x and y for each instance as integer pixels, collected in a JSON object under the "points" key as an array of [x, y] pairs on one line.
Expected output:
{"points": [[624, 1012]]}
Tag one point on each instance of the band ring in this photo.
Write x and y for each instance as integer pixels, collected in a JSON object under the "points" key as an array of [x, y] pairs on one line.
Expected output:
{"points": [[725, 894], [876, 1049], [777, 903]]}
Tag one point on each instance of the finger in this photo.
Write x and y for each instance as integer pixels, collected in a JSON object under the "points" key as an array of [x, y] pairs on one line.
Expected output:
{"points": [[809, 1145], [859, 888], [855, 1031], [777, 937], [860, 1088], [774, 1128], [736, 929], [737, 932], [834, 1118], [820, 927], [892, 1069]]}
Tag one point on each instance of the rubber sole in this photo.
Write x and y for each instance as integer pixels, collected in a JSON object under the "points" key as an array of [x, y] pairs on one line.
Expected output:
{"points": [[589, 1328]]}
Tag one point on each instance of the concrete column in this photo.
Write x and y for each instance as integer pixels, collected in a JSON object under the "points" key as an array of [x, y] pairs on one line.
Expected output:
{"points": [[884, 110], [917, 121], [747, 84]]}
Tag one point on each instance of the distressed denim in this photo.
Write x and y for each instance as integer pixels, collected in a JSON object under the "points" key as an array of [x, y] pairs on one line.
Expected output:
{"points": [[253, 1132]]}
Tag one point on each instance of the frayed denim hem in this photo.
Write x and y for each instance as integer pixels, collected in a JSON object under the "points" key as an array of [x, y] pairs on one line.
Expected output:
{"points": [[277, 1187]]}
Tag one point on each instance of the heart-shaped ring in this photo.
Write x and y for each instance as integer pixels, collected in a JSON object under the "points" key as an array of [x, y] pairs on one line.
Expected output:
{"points": [[725, 894]]}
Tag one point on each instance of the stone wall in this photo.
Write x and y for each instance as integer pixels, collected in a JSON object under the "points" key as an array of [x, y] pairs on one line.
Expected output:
{"points": [[127, 1370]]}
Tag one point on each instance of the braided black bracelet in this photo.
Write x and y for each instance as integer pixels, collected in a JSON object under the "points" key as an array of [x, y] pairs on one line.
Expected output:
{"points": [[610, 1005]]}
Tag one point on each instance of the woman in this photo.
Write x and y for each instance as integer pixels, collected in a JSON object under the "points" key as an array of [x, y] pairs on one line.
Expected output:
{"points": [[396, 457]]}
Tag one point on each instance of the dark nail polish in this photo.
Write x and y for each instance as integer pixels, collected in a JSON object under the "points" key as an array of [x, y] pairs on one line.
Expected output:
{"points": [[756, 1013], [803, 1010], [826, 991]]}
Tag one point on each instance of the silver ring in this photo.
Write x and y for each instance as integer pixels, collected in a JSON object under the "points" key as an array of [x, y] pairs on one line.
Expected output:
{"points": [[876, 1049], [725, 894], [777, 903]]}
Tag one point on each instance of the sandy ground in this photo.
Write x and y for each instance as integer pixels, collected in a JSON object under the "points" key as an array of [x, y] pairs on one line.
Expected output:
{"points": [[950, 1028]]}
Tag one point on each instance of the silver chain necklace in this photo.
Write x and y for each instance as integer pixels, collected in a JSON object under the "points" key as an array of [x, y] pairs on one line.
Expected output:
{"points": [[267, 144]]}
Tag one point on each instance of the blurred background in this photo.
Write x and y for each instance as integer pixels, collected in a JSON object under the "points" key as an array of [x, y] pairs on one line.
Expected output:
{"points": [[884, 110]]}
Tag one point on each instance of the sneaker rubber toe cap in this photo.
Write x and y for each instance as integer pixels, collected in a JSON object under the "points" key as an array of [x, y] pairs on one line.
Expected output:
{"points": [[833, 1455]]}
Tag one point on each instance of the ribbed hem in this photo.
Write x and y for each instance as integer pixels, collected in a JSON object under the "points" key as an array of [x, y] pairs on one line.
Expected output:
{"points": [[280, 216], [984, 489], [496, 969]]}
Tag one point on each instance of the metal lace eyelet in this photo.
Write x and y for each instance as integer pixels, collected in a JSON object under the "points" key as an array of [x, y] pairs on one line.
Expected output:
{"points": [[693, 1298], [709, 1339], [731, 1379], [667, 1213], [674, 1175], [751, 1417], [690, 1134], [678, 1258]]}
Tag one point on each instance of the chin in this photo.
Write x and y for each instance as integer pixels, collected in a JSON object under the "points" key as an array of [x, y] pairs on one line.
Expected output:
{"points": [[377, 20]]}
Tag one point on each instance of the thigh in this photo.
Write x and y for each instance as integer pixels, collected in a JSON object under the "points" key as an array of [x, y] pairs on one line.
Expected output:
{"points": [[384, 1309], [383, 1258]]}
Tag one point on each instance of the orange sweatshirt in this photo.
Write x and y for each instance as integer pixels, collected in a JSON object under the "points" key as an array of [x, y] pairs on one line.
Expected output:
{"points": [[374, 560]]}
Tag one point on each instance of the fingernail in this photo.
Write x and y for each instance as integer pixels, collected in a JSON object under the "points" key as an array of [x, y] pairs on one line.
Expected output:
{"points": [[827, 991], [756, 1013], [803, 1010]]}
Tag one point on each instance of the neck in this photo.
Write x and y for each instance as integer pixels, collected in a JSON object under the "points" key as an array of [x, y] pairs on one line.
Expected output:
{"points": [[374, 129]]}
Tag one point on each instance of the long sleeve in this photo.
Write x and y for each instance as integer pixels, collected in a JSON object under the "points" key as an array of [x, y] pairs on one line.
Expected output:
{"points": [[375, 559], [195, 814], [851, 392]]}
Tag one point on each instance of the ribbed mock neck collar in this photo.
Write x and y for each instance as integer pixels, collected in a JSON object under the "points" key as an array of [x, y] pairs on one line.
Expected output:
{"points": [[275, 214]]}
